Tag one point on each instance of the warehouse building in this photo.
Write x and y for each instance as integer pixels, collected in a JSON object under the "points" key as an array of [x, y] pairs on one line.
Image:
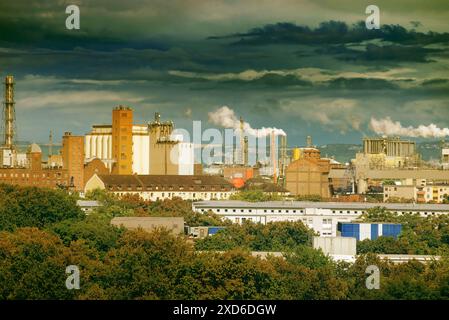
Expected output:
{"points": [[323, 217], [309, 175], [160, 187], [174, 224]]}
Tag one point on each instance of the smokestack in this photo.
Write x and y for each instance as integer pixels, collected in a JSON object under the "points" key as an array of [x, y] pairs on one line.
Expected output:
{"points": [[273, 155], [245, 151], [309, 141], [9, 112], [242, 142]]}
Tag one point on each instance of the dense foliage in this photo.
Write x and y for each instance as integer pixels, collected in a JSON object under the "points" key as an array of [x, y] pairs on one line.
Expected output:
{"points": [[255, 196], [279, 236], [35, 207], [119, 264]]}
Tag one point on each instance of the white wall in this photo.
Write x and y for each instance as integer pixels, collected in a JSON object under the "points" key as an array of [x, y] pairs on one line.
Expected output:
{"points": [[186, 158], [141, 154]]}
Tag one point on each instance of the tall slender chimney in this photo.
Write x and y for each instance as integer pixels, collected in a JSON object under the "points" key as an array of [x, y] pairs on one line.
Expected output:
{"points": [[9, 112], [273, 155], [242, 143]]}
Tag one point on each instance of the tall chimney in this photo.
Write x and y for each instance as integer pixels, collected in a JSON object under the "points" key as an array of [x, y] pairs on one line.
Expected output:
{"points": [[242, 143], [9, 112], [273, 155]]}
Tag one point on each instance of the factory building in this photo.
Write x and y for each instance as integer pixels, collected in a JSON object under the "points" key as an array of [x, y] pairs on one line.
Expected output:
{"points": [[385, 152], [309, 175], [160, 187], [67, 170], [322, 217], [393, 159], [127, 148]]}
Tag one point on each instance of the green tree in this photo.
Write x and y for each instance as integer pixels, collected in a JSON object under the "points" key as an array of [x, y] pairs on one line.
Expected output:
{"points": [[35, 207]]}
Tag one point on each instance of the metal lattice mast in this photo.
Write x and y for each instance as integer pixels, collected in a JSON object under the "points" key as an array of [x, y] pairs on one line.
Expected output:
{"points": [[9, 112]]}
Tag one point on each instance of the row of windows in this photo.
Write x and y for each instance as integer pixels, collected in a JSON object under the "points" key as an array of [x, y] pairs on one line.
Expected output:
{"points": [[280, 211], [139, 188], [34, 175]]}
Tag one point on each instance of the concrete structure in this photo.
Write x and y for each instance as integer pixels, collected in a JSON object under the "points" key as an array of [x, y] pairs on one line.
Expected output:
{"points": [[159, 187], [391, 147], [174, 224], [338, 248], [142, 149], [323, 217], [308, 175]]}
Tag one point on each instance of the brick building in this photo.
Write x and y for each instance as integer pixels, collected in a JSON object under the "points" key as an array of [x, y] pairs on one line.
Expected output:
{"points": [[309, 175]]}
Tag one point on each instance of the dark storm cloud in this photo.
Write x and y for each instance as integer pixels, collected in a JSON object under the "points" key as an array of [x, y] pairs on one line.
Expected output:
{"points": [[372, 52], [305, 76], [331, 32]]}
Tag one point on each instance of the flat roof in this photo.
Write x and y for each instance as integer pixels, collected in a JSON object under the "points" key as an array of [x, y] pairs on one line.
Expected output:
{"points": [[321, 205], [88, 203]]}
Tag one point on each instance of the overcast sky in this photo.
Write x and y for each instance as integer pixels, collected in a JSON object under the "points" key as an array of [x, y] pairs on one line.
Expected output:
{"points": [[307, 67]]}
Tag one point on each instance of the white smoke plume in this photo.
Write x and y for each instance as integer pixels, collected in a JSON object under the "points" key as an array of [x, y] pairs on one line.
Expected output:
{"points": [[225, 117], [389, 127]]}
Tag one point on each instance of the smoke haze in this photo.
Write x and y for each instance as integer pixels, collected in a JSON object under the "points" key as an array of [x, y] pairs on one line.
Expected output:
{"points": [[389, 127], [225, 117]]}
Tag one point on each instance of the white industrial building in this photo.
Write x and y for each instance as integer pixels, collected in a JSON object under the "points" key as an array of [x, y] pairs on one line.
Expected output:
{"points": [[98, 144], [322, 217]]}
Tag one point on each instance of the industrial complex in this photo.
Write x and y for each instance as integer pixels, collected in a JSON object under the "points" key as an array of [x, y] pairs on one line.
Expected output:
{"points": [[150, 160]]}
